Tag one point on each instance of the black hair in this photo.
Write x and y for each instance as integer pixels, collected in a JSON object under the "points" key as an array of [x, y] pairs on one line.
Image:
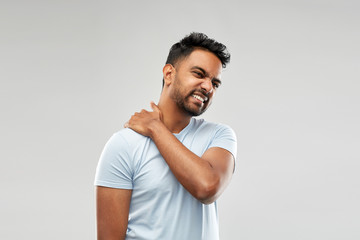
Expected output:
{"points": [[196, 40]]}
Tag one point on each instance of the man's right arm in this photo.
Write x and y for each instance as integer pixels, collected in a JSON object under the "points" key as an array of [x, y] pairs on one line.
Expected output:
{"points": [[112, 212], [114, 185]]}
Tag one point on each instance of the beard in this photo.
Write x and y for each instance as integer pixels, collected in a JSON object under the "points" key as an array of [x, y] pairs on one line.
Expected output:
{"points": [[183, 102]]}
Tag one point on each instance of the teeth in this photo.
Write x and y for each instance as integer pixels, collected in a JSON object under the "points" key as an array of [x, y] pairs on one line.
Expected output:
{"points": [[198, 97]]}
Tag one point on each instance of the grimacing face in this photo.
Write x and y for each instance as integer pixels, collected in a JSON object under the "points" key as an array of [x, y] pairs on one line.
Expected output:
{"points": [[196, 79]]}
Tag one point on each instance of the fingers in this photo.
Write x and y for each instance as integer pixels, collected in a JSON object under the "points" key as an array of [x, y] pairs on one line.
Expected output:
{"points": [[143, 114]]}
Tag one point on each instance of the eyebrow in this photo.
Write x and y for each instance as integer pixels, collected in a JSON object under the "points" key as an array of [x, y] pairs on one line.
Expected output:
{"points": [[206, 74]]}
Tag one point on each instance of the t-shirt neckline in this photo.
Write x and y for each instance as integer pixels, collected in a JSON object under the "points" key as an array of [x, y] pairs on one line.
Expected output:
{"points": [[185, 129]]}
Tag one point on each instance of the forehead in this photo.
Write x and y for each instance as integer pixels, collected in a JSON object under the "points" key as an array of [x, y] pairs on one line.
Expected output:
{"points": [[203, 59]]}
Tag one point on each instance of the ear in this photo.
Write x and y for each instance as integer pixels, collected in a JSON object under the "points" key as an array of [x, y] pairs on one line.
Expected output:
{"points": [[168, 74]]}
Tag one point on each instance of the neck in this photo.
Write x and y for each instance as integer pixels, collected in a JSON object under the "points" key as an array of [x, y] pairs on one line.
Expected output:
{"points": [[175, 119]]}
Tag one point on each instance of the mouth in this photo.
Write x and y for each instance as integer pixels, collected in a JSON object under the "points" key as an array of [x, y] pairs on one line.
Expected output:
{"points": [[199, 97]]}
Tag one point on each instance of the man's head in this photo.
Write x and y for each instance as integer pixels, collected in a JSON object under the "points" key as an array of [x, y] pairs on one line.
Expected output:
{"points": [[193, 71], [195, 40]]}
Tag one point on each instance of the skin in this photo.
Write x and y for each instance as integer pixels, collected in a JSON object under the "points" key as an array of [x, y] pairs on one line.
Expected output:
{"points": [[112, 211], [204, 177]]}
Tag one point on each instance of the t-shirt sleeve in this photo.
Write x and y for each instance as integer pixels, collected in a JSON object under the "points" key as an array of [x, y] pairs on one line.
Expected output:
{"points": [[114, 168], [225, 138]]}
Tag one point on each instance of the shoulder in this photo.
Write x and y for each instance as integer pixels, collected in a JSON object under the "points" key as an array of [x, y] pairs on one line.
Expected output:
{"points": [[122, 146], [127, 135], [124, 140], [218, 135], [116, 167], [212, 127]]}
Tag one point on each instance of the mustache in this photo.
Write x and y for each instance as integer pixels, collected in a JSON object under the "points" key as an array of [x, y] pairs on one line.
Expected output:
{"points": [[202, 91]]}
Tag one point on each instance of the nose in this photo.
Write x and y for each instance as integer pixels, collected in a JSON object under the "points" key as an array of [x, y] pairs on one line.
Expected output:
{"points": [[207, 86]]}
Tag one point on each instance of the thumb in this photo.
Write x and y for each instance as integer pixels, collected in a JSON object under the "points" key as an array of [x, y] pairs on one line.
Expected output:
{"points": [[154, 107]]}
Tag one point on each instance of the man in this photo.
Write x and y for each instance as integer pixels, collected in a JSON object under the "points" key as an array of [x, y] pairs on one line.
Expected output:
{"points": [[160, 176]]}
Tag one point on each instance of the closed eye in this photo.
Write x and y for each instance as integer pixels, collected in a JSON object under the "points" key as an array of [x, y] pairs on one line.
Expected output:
{"points": [[215, 84], [198, 74]]}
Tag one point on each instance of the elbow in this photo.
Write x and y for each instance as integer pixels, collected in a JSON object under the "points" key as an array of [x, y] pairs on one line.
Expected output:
{"points": [[207, 201], [208, 191]]}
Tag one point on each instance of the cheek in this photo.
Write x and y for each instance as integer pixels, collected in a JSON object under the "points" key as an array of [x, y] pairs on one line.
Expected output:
{"points": [[212, 95]]}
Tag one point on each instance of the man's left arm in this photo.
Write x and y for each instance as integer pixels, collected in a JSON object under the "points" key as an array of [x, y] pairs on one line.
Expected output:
{"points": [[204, 177]]}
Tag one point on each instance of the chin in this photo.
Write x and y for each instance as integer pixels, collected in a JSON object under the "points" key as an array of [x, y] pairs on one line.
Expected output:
{"points": [[195, 113]]}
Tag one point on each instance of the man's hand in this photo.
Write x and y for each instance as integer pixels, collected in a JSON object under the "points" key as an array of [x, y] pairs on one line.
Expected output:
{"points": [[142, 122]]}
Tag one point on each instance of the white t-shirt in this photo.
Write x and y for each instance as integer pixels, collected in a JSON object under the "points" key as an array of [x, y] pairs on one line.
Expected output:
{"points": [[161, 208]]}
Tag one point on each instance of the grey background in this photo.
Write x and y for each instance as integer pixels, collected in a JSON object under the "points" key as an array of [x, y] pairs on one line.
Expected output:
{"points": [[72, 72]]}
